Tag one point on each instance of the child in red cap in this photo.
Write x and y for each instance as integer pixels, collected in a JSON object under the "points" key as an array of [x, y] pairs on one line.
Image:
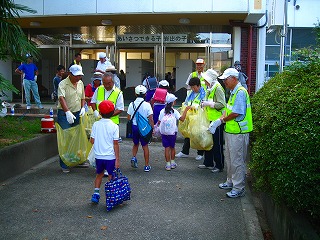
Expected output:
{"points": [[105, 137]]}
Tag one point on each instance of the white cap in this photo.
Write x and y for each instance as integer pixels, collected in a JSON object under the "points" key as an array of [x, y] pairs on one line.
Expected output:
{"points": [[102, 55], [97, 76], [210, 75], [76, 70], [229, 72], [200, 61], [170, 98], [110, 68], [164, 83], [140, 89]]}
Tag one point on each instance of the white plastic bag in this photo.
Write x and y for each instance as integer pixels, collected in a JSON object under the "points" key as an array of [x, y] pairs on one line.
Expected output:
{"points": [[91, 158]]}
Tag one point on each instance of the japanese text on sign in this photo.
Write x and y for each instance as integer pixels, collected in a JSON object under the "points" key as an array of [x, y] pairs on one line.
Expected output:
{"points": [[152, 38]]}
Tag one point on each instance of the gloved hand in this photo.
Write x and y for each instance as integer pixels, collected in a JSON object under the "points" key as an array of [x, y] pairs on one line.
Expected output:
{"points": [[207, 103], [35, 77], [213, 125], [82, 112], [70, 117], [96, 113]]}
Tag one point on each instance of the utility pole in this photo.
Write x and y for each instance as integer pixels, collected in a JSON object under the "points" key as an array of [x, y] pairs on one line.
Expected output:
{"points": [[283, 34]]}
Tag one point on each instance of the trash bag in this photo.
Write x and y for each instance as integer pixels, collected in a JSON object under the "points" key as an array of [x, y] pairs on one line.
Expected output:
{"points": [[183, 126], [72, 144], [200, 137], [88, 120]]}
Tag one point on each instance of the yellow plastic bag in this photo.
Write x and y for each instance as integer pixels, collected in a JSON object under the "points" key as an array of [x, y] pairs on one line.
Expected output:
{"points": [[88, 120], [183, 126], [72, 144], [200, 138]]}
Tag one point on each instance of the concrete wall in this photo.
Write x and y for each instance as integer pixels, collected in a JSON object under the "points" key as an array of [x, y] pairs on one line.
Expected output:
{"points": [[20, 157]]}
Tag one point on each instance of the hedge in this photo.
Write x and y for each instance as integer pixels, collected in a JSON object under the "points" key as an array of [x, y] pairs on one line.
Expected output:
{"points": [[286, 138]]}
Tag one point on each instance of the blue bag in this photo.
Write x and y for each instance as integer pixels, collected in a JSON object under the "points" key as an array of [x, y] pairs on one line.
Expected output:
{"points": [[145, 129], [117, 190]]}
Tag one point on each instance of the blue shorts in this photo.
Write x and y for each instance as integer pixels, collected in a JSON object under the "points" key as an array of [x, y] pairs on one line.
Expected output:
{"points": [[136, 136], [169, 140], [102, 164]]}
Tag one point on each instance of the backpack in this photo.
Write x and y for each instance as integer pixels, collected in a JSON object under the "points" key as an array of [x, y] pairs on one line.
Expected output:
{"points": [[160, 95], [152, 83], [168, 124], [145, 130]]}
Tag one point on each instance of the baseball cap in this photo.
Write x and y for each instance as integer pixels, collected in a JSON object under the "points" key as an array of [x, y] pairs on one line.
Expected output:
{"points": [[106, 106], [97, 76], [140, 89], [237, 63], [210, 75], [28, 55], [102, 55], [164, 83], [170, 98], [200, 61], [229, 72], [76, 70]]}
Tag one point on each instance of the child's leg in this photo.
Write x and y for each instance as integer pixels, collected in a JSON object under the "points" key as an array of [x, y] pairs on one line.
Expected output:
{"points": [[173, 153], [98, 180], [146, 154], [167, 154], [135, 149]]}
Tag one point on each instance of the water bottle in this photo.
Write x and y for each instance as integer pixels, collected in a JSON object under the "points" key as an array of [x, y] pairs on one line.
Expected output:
{"points": [[51, 112], [12, 110]]}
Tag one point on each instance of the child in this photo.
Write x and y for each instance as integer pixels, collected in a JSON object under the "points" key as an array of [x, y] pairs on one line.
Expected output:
{"points": [[146, 111], [169, 131], [105, 136]]}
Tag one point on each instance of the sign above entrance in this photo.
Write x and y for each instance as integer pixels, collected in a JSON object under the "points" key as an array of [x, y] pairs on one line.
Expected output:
{"points": [[152, 38]]}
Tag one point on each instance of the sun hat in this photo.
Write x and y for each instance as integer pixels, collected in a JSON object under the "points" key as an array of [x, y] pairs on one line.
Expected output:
{"points": [[164, 83], [210, 75], [110, 68], [76, 70], [140, 89], [106, 106], [229, 72], [170, 98], [200, 61], [97, 76]]}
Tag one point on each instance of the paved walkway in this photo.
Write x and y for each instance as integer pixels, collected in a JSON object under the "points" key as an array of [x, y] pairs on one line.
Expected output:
{"points": [[185, 203]]}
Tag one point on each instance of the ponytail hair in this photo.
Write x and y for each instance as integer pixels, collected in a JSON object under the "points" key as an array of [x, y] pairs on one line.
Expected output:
{"points": [[168, 108]]}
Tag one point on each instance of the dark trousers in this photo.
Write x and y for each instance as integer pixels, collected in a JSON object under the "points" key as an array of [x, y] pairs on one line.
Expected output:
{"points": [[216, 152], [186, 147]]}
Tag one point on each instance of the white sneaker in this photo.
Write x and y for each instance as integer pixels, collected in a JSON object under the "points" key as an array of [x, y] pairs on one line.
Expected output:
{"points": [[215, 170], [181, 155], [28, 107], [199, 157]]}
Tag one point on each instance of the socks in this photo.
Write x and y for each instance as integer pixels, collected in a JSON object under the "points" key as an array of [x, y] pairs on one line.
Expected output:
{"points": [[97, 191], [168, 163], [172, 162]]}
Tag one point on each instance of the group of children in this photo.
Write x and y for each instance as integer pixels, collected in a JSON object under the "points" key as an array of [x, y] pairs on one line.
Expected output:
{"points": [[105, 135]]}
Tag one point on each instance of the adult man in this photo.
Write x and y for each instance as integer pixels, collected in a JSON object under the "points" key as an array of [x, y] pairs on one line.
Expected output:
{"points": [[198, 73], [238, 119], [103, 63], [108, 91], [116, 79], [30, 74], [76, 60], [71, 103], [214, 105]]}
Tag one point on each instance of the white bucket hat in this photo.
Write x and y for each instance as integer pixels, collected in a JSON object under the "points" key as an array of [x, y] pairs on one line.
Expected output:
{"points": [[210, 75]]}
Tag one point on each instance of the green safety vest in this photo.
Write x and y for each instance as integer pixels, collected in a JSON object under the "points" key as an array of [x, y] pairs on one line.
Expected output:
{"points": [[212, 113], [243, 126], [113, 97], [202, 81]]}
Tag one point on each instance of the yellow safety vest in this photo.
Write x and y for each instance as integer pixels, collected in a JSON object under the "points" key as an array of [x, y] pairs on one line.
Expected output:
{"points": [[243, 126], [195, 102], [113, 97], [212, 113]]}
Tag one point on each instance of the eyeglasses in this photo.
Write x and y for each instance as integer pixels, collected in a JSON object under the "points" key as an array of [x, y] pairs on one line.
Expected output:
{"points": [[227, 78]]}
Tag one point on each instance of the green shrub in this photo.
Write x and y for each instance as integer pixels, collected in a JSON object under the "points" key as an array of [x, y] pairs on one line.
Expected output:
{"points": [[286, 138]]}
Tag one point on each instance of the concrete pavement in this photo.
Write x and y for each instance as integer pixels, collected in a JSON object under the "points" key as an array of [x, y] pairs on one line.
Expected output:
{"points": [[185, 203]]}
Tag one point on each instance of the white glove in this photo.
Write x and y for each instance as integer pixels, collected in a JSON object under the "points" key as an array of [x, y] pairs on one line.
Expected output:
{"points": [[82, 112], [96, 113], [70, 117], [207, 103], [213, 125], [35, 77]]}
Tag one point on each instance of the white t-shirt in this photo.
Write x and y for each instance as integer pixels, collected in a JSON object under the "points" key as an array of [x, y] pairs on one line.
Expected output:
{"points": [[104, 132], [176, 114], [145, 109], [103, 65]]}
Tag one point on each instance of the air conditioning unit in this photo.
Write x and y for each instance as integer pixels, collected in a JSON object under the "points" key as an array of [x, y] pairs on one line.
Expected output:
{"points": [[275, 13]]}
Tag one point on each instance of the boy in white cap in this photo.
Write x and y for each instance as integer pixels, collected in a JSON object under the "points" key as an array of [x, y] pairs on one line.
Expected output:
{"points": [[168, 128], [144, 108]]}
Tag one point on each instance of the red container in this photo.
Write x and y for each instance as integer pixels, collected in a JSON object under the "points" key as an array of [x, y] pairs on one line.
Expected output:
{"points": [[47, 125]]}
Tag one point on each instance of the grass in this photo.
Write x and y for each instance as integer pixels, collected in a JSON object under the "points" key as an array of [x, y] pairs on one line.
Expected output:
{"points": [[18, 129]]}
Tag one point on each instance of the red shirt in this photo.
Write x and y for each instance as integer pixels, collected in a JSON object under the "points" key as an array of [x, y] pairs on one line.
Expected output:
{"points": [[88, 92]]}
